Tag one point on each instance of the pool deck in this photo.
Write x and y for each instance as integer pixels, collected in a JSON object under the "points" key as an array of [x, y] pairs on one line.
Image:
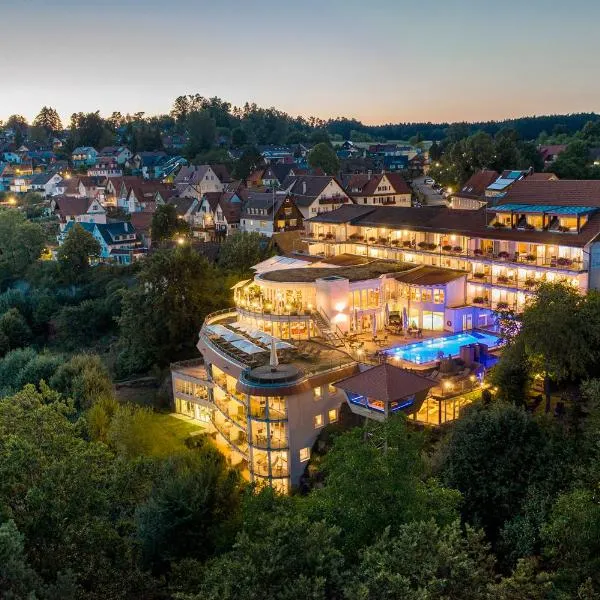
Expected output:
{"points": [[372, 351]]}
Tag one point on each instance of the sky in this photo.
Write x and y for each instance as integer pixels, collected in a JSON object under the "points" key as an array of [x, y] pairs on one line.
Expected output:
{"points": [[379, 61]]}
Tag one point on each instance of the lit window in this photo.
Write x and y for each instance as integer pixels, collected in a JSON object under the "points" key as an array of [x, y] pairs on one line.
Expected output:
{"points": [[333, 416], [318, 421], [304, 454], [332, 389], [317, 393]]}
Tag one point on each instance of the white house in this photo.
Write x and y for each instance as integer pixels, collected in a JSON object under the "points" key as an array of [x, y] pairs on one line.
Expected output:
{"points": [[46, 183]]}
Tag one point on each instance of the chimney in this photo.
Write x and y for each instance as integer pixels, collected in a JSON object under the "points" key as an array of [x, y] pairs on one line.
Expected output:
{"points": [[369, 174], [304, 188]]}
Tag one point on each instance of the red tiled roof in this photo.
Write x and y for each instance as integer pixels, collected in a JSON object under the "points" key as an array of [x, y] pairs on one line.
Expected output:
{"points": [[562, 192], [366, 185], [552, 150], [386, 383], [70, 206]]}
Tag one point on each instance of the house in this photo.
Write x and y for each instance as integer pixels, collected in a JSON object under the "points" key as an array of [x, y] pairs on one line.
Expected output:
{"points": [[274, 154], [77, 209], [143, 163], [166, 169], [197, 180], [117, 189], [379, 189], [267, 213], [92, 187], [218, 215], [46, 183], [118, 241], [314, 194], [145, 196], [105, 166], [186, 208], [222, 172], [21, 184], [472, 194], [120, 154], [84, 156], [550, 153]]}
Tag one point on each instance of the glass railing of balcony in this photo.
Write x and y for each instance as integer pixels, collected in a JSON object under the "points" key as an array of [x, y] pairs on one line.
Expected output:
{"points": [[262, 469], [237, 417], [275, 442], [233, 436]]}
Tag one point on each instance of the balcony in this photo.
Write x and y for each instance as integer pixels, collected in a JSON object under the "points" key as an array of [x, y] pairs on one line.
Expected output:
{"points": [[234, 437], [237, 418], [275, 442]]}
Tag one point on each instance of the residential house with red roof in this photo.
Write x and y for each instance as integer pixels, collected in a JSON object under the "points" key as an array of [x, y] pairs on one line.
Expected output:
{"points": [[379, 189], [314, 194]]}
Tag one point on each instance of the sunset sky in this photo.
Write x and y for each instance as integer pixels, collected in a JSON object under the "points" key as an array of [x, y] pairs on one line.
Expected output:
{"points": [[379, 61]]}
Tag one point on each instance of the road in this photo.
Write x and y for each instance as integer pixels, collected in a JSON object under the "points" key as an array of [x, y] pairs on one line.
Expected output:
{"points": [[432, 197]]}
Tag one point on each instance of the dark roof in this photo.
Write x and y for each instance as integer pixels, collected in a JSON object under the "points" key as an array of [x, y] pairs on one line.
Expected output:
{"points": [[68, 206], [425, 275], [441, 219], [221, 172], [141, 220], [476, 185], [261, 201], [182, 205], [386, 383], [564, 192], [365, 184], [231, 210], [305, 188], [345, 260], [371, 270], [290, 244]]}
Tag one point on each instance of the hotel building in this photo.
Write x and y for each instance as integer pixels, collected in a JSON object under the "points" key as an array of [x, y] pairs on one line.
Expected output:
{"points": [[433, 268]]}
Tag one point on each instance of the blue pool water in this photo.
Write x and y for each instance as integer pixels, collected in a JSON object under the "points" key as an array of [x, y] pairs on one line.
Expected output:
{"points": [[428, 350]]}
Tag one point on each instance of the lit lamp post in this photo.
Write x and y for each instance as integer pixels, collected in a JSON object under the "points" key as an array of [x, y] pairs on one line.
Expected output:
{"points": [[447, 386]]}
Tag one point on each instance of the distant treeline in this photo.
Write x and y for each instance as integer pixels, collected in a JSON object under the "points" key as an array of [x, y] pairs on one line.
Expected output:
{"points": [[529, 128]]}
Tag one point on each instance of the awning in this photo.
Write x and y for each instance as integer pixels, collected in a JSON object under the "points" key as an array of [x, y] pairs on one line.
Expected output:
{"points": [[240, 284]]}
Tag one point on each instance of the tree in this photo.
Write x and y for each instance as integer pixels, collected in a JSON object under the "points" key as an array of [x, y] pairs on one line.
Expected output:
{"points": [[376, 478], [423, 560], [14, 326], [324, 157], [291, 558], [49, 120], [166, 224], [492, 457], [190, 510], [242, 250], [18, 581], [202, 130], [84, 379], [558, 314], [176, 289], [572, 539], [248, 162], [76, 252], [21, 243], [238, 137]]}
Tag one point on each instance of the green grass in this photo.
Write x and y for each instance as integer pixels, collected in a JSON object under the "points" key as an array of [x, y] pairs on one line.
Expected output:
{"points": [[169, 433]]}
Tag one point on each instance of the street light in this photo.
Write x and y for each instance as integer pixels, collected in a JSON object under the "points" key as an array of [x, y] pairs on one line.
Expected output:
{"points": [[180, 241]]}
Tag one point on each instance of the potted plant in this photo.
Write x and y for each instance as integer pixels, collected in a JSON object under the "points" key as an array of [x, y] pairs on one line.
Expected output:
{"points": [[321, 235], [502, 254], [447, 248], [478, 252], [383, 240], [406, 244], [457, 249], [431, 246], [529, 226], [530, 257], [478, 300], [479, 275], [372, 240], [423, 245], [563, 261], [503, 279], [395, 242], [529, 282], [330, 236], [563, 228], [498, 224], [502, 305]]}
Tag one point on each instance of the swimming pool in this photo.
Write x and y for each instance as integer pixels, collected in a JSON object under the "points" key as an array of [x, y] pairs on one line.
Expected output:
{"points": [[427, 351]]}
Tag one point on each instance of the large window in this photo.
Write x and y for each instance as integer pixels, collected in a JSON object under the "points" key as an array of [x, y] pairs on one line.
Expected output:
{"points": [[433, 320]]}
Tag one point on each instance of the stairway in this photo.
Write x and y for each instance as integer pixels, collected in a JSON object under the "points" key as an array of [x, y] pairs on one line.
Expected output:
{"points": [[328, 332]]}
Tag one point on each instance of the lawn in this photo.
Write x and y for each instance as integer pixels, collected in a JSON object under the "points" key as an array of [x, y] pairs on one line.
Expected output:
{"points": [[170, 433]]}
